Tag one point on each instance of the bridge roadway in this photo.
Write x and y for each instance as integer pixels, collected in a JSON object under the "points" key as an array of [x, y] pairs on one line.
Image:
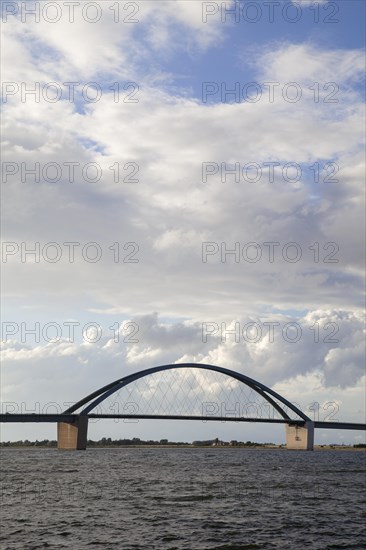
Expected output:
{"points": [[70, 418]]}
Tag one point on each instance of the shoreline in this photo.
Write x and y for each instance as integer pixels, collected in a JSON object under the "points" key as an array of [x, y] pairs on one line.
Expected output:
{"points": [[318, 448]]}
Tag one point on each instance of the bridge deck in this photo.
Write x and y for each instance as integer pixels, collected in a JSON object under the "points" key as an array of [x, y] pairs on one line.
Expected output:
{"points": [[32, 417]]}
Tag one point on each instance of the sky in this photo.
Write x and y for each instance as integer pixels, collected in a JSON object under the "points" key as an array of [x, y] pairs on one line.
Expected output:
{"points": [[183, 181]]}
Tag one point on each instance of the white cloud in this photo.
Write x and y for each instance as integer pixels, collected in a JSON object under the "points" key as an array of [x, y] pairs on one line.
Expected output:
{"points": [[171, 209], [306, 63], [114, 45]]}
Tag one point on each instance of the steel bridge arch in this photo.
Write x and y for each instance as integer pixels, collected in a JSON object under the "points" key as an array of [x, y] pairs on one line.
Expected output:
{"points": [[96, 397]]}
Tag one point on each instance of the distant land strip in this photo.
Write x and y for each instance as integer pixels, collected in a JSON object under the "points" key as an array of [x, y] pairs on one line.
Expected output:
{"points": [[107, 442]]}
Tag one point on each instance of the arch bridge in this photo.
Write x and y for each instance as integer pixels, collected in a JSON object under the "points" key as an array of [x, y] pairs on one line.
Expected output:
{"points": [[184, 391]]}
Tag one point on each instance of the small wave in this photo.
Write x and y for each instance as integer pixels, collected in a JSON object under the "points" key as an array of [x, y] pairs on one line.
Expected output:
{"points": [[170, 538], [237, 547], [193, 498]]}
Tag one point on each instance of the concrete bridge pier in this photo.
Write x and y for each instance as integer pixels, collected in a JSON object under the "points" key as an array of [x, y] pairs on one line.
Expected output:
{"points": [[72, 436], [300, 438]]}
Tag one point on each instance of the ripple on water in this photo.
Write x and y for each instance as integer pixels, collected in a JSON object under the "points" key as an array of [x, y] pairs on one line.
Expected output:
{"points": [[145, 500]]}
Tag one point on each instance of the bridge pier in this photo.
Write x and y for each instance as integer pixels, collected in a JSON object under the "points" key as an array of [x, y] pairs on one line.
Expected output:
{"points": [[72, 436], [300, 438]]}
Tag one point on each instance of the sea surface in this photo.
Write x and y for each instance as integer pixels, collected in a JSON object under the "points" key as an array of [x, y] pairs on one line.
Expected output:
{"points": [[161, 498]]}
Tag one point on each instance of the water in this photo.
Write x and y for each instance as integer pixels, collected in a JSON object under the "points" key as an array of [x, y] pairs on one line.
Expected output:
{"points": [[187, 498]]}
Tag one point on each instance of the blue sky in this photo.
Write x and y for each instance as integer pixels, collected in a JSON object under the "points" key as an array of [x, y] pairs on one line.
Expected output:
{"points": [[163, 219], [244, 40]]}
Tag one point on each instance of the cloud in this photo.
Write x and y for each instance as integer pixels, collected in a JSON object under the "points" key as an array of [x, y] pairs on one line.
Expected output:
{"points": [[170, 212], [306, 63], [122, 40], [266, 348]]}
